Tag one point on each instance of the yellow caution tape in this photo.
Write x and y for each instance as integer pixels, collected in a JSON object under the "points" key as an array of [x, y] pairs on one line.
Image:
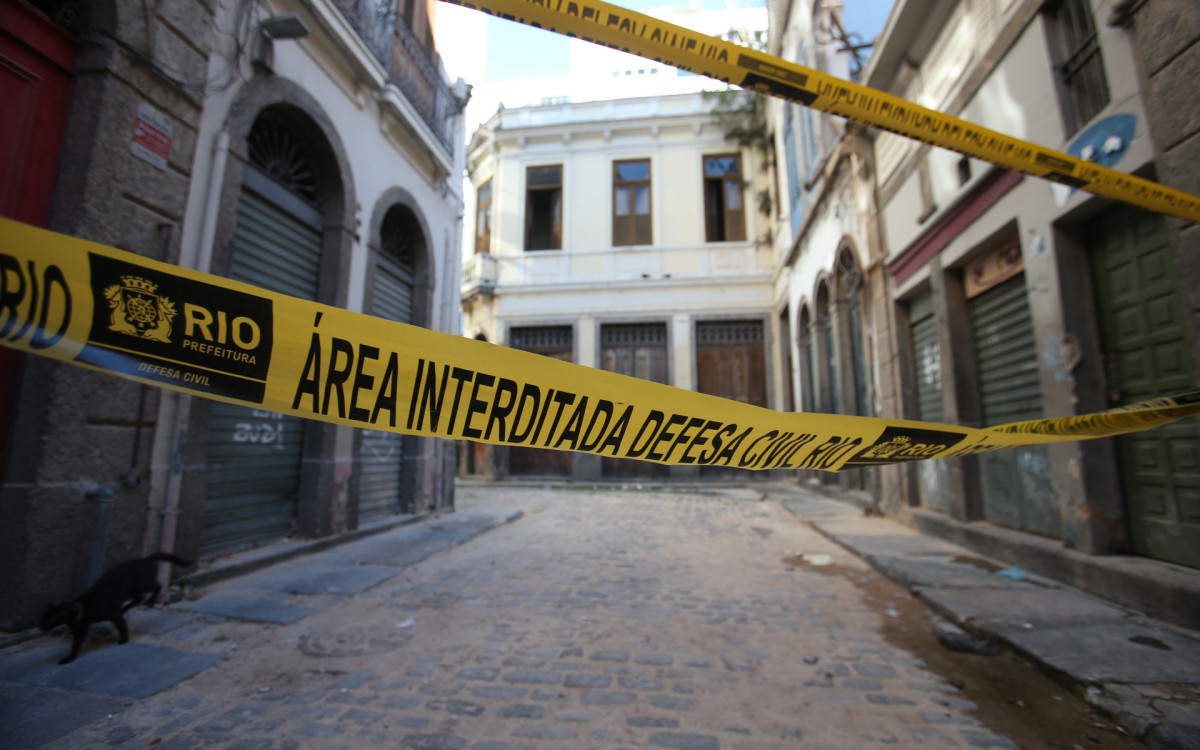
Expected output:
{"points": [[110, 310], [648, 37]]}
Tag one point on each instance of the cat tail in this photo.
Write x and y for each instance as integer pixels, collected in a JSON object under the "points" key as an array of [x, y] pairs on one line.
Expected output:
{"points": [[168, 557]]}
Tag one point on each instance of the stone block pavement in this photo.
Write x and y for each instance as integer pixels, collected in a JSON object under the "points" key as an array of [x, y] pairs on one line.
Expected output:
{"points": [[586, 618]]}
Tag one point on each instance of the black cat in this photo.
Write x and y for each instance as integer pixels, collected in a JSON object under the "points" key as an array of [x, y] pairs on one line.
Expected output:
{"points": [[129, 581]]}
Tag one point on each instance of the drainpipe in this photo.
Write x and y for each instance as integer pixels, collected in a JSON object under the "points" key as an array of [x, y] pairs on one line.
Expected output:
{"points": [[103, 496], [183, 403], [170, 521], [212, 201]]}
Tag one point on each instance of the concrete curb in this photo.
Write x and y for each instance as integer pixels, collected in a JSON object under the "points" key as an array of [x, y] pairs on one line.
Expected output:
{"points": [[260, 558], [265, 557]]}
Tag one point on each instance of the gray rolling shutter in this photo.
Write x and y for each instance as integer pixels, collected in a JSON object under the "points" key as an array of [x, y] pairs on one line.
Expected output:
{"points": [[932, 480], [638, 350], [382, 454], [1002, 328], [927, 356], [253, 457], [1015, 484]]}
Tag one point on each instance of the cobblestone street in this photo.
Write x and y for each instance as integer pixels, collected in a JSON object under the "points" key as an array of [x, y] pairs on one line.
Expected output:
{"points": [[675, 619]]}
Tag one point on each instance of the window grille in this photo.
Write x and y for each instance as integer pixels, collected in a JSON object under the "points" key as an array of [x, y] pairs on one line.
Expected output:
{"points": [[541, 338], [633, 333], [730, 332], [275, 150], [1075, 47]]}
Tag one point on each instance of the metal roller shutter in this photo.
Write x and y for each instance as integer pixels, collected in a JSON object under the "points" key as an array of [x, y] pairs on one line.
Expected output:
{"points": [[927, 363], [556, 342], [1015, 484], [253, 457], [382, 458], [638, 350]]}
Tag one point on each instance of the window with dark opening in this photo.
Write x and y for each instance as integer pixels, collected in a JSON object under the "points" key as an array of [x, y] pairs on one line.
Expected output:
{"points": [[1075, 51], [483, 218], [724, 215], [964, 171], [631, 202], [543, 208]]}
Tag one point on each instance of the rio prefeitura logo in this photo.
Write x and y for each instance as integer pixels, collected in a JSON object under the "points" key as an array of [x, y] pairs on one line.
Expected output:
{"points": [[156, 324]]}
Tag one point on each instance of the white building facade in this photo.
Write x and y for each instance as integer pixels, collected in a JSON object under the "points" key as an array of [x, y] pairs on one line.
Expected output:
{"points": [[624, 235], [327, 170]]}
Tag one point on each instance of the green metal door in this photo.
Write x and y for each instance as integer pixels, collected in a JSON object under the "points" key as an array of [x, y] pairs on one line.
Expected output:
{"points": [[382, 459], [1015, 484], [253, 457], [932, 482], [1145, 339]]}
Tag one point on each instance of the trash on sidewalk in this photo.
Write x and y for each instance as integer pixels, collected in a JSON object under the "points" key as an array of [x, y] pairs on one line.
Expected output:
{"points": [[1015, 573], [815, 559], [407, 623], [965, 644]]}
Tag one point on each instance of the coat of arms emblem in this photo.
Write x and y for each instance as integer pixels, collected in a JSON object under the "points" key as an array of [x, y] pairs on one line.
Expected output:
{"points": [[137, 309], [888, 449]]}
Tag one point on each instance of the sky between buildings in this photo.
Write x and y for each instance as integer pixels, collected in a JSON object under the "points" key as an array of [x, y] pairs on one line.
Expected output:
{"points": [[516, 65]]}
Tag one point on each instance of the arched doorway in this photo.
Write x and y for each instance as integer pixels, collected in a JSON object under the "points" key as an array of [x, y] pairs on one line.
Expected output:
{"points": [[826, 391], [399, 246], [805, 335], [254, 459], [850, 297], [849, 328]]}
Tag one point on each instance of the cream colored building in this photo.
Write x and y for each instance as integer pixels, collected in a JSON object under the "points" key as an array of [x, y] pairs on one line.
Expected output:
{"points": [[1019, 298], [624, 235]]}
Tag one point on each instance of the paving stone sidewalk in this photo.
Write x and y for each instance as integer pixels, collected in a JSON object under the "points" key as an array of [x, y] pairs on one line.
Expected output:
{"points": [[1144, 672], [41, 701]]}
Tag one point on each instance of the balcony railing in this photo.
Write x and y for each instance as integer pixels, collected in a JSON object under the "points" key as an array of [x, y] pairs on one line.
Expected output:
{"points": [[732, 261], [379, 24], [479, 275]]}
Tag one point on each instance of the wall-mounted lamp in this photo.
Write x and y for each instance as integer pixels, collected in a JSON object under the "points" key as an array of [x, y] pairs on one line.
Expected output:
{"points": [[283, 26]]}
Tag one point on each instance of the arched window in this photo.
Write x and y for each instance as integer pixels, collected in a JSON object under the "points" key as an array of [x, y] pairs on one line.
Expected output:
{"points": [[255, 458], [276, 150], [850, 296], [826, 370], [804, 340]]}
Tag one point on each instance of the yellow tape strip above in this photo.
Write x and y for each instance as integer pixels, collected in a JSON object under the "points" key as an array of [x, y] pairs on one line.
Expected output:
{"points": [[646, 36], [110, 310]]}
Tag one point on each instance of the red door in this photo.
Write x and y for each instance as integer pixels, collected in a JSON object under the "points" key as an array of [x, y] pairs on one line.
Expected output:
{"points": [[37, 68]]}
